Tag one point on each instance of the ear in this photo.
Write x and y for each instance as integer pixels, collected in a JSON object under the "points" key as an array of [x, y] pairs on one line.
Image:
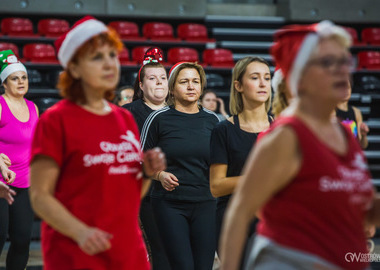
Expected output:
{"points": [[74, 70], [237, 86], [140, 85]]}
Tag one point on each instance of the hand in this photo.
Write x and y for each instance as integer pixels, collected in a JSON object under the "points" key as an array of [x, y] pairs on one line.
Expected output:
{"points": [[6, 159], [222, 108], [168, 181], [93, 241], [154, 161], [8, 175], [370, 231], [364, 129], [7, 193]]}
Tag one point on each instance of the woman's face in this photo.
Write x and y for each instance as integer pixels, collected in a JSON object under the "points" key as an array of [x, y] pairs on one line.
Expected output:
{"points": [[98, 69], [209, 101], [126, 96], [16, 84], [155, 84], [187, 88], [327, 73], [256, 83]]}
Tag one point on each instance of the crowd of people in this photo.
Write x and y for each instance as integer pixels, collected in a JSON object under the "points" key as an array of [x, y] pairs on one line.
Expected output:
{"points": [[163, 178]]}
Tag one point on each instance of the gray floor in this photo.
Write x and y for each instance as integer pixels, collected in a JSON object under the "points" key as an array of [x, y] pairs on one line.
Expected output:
{"points": [[35, 259]]}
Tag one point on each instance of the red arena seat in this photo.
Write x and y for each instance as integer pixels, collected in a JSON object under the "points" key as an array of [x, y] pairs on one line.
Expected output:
{"points": [[369, 60], [193, 32], [182, 54], [159, 31], [218, 58], [354, 35], [124, 57], [138, 54], [371, 36], [52, 27], [9, 46], [127, 30], [17, 27], [39, 53]]}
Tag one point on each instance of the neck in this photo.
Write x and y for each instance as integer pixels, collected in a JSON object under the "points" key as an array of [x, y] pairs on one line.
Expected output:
{"points": [[96, 103], [14, 99], [254, 112], [319, 111], [343, 106], [187, 108], [155, 105]]}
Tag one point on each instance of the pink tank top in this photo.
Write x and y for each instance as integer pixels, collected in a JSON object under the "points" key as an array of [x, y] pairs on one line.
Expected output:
{"points": [[16, 140]]}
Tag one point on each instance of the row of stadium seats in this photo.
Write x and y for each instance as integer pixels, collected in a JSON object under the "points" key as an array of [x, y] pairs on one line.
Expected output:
{"points": [[369, 36], [53, 28], [45, 53]]}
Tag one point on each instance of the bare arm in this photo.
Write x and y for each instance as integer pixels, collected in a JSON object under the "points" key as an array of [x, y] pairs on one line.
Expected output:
{"points": [[221, 185], [8, 175], [362, 128], [373, 216], [44, 176], [154, 161], [265, 162]]}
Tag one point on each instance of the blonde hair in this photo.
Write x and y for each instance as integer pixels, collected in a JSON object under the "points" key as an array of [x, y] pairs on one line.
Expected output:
{"points": [[236, 100], [280, 101], [173, 78]]}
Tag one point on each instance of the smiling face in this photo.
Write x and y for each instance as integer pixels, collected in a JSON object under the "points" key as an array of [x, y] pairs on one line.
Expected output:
{"points": [[155, 84], [98, 70], [187, 88], [326, 76], [16, 84], [255, 84]]}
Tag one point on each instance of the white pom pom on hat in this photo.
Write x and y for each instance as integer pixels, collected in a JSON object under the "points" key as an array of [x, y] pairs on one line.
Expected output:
{"points": [[83, 30], [294, 45]]}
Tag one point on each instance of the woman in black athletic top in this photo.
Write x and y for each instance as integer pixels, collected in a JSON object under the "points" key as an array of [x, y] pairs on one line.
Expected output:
{"points": [[351, 117], [151, 91], [182, 203], [232, 139]]}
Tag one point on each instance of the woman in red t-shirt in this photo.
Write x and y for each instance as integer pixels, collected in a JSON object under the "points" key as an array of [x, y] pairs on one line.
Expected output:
{"points": [[86, 177], [314, 191]]}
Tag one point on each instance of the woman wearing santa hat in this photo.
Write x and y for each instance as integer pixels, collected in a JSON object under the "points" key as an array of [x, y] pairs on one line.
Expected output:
{"points": [[18, 118], [86, 179], [151, 91], [182, 203], [314, 202]]}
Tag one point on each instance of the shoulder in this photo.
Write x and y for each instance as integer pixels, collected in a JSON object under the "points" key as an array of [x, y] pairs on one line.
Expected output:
{"points": [[156, 116], [211, 114], [62, 107], [133, 105]]}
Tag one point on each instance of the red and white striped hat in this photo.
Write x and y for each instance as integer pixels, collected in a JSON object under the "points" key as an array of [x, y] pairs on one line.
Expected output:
{"points": [[294, 45], [83, 30]]}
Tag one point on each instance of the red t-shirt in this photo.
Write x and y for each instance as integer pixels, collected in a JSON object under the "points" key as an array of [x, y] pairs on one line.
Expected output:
{"points": [[322, 210], [99, 159]]}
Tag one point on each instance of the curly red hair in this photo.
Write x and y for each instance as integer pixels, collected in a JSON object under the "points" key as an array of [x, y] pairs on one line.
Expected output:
{"points": [[70, 87]]}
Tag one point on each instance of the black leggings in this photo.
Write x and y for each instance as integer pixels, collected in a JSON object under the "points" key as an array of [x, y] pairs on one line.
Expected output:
{"points": [[152, 237], [188, 232], [16, 220]]}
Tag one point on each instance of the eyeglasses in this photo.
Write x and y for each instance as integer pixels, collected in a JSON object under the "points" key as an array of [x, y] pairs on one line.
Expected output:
{"points": [[127, 98], [333, 64]]}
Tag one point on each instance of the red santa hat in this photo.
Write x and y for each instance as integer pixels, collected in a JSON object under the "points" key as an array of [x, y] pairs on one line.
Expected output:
{"points": [[294, 45], [83, 30], [152, 55], [171, 71]]}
